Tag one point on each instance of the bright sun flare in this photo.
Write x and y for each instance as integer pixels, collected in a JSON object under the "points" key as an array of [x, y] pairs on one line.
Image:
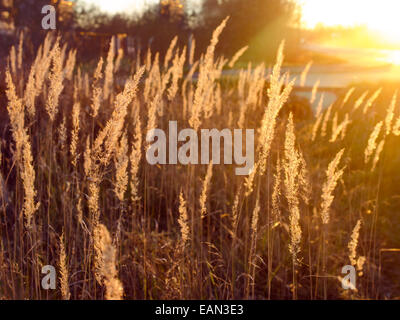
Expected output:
{"points": [[381, 16]]}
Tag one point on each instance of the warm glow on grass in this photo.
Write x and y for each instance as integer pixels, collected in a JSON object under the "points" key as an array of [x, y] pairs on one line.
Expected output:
{"points": [[382, 16]]}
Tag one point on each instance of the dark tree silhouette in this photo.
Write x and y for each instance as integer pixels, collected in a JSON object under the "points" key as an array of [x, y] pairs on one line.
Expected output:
{"points": [[160, 23], [28, 13]]}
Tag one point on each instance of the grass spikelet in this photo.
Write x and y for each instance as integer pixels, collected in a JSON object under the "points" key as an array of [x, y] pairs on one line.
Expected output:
{"points": [[253, 247], [28, 177], [152, 112], [63, 266], [93, 199], [205, 78], [390, 114], [152, 82], [192, 51], [304, 180], [79, 212], [326, 120], [254, 218], [316, 126], [360, 264], [30, 92], [97, 91], [109, 72], [333, 174], [320, 105], [237, 56], [360, 100], [112, 131], [369, 150], [352, 245], [205, 190], [170, 51], [314, 91], [235, 212], [335, 122], [106, 264], [121, 168], [276, 193], [249, 180], [43, 62], [56, 79], [396, 127], [256, 86], [183, 219], [13, 60], [62, 134], [76, 108], [340, 129], [378, 152], [275, 104], [135, 158], [371, 100], [16, 113], [23, 151], [292, 166], [70, 64], [20, 53], [177, 73], [348, 95], [303, 76]]}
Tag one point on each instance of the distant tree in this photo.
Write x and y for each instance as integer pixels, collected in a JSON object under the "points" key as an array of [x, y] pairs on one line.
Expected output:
{"points": [[160, 23], [28, 13], [90, 17]]}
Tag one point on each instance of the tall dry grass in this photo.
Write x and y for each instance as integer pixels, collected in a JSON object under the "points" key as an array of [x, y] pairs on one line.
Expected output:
{"points": [[78, 193]]}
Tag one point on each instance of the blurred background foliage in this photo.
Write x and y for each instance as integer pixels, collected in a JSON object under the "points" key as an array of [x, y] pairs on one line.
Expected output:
{"points": [[261, 24]]}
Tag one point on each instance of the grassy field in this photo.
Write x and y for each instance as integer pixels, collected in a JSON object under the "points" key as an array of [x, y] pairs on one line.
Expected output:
{"points": [[77, 192]]}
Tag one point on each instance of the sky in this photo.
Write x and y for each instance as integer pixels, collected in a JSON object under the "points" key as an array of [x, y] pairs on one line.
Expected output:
{"points": [[113, 6], [381, 16], [350, 12]]}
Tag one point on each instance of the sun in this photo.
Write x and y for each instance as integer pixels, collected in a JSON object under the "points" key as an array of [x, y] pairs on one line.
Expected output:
{"points": [[379, 16]]}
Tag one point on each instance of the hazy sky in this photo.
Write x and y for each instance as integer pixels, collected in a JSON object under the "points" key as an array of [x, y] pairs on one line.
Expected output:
{"points": [[126, 5], [381, 16], [349, 12], [113, 6]]}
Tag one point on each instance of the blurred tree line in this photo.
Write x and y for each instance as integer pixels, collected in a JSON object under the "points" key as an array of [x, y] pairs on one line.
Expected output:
{"points": [[27, 16], [261, 24]]}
